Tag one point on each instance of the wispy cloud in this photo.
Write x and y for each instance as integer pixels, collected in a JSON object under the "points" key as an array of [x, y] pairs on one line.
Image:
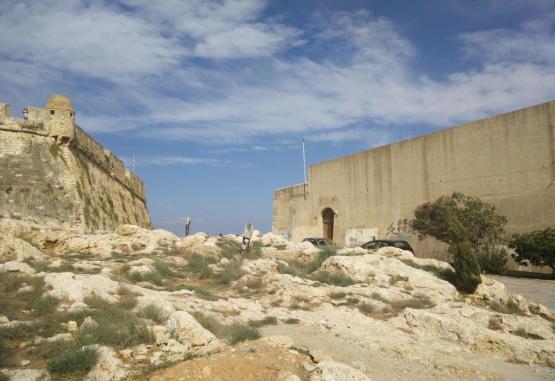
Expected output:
{"points": [[176, 160], [218, 72]]}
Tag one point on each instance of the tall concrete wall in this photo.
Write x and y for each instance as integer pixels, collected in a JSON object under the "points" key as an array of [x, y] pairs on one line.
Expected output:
{"points": [[508, 160], [67, 177]]}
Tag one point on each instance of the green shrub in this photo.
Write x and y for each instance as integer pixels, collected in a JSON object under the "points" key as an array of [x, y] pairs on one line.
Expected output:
{"points": [[467, 269], [415, 303], [254, 283], [229, 248], [446, 275], [494, 261], [4, 377], [45, 305], [163, 268], [268, 320], [527, 335], [537, 246], [116, 326], [5, 354], [73, 361], [351, 301], [153, 312], [366, 308], [240, 332], [153, 277], [291, 321], [198, 264], [337, 295], [333, 278], [255, 250], [231, 272], [510, 307]]}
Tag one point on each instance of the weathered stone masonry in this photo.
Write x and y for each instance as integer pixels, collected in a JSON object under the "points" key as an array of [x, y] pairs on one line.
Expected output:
{"points": [[50, 169]]}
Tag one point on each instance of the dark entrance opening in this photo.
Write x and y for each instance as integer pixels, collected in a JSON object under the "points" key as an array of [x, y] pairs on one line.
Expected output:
{"points": [[327, 218]]}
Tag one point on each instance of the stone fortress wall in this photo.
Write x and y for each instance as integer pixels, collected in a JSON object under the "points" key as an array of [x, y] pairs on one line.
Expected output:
{"points": [[52, 169], [507, 160]]}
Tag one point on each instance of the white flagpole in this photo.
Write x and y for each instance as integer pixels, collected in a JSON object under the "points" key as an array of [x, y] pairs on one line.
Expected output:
{"points": [[304, 170], [133, 160]]}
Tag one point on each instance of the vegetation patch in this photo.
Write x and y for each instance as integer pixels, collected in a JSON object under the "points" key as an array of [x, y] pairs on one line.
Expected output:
{"points": [[240, 332], [230, 248], [153, 277], [231, 272], [198, 264], [233, 333], [154, 313], [268, 320], [334, 278], [74, 361], [510, 307], [525, 334], [291, 321], [446, 275], [338, 295]]}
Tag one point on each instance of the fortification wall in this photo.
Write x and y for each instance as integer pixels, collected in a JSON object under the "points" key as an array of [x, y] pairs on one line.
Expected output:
{"points": [[73, 181], [508, 160]]}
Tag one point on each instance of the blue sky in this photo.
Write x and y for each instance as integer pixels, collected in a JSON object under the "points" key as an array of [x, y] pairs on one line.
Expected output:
{"points": [[213, 97]]}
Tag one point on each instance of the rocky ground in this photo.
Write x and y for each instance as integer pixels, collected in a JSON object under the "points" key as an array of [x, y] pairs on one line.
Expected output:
{"points": [[146, 305]]}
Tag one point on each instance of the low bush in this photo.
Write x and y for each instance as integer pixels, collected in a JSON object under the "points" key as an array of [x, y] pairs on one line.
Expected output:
{"points": [[525, 334], [73, 361], [337, 295], [291, 321], [254, 283], [231, 272], [5, 355], [153, 277], [163, 268], [154, 313], [268, 320], [510, 307], [366, 308], [255, 250], [240, 332], [333, 278], [416, 303], [4, 377], [115, 326], [198, 264], [230, 249], [494, 261], [446, 275]]}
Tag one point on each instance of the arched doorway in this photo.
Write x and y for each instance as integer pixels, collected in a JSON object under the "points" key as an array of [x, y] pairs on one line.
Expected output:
{"points": [[327, 218]]}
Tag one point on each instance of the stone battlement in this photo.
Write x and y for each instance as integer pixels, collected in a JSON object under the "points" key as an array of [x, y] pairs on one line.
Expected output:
{"points": [[52, 169], [36, 121]]}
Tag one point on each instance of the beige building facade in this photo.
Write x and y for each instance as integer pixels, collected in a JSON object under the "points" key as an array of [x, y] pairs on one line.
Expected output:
{"points": [[507, 160]]}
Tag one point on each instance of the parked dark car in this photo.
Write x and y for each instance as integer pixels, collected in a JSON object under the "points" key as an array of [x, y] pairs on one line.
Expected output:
{"points": [[320, 243], [377, 244]]}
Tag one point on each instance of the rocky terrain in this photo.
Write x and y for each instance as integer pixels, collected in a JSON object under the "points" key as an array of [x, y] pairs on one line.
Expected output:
{"points": [[139, 304]]}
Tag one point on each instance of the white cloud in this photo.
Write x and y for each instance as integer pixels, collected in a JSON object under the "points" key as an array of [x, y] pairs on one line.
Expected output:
{"points": [[176, 160], [532, 43], [355, 70]]}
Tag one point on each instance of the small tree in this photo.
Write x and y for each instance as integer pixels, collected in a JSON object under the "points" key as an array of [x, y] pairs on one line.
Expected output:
{"points": [[537, 246], [469, 226]]}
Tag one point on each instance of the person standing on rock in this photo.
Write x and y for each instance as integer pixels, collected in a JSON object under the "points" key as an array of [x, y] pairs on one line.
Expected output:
{"points": [[187, 226]]}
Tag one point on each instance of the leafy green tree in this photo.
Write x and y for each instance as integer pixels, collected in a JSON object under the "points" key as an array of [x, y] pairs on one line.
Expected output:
{"points": [[470, 227], [537, 246]]}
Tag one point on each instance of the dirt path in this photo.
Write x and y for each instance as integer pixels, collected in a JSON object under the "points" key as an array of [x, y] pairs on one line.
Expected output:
{"points": [[538, 290], [383, 365]]}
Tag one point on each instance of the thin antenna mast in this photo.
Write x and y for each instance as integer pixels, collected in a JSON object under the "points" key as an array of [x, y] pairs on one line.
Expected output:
{"points": [[304, 170]]}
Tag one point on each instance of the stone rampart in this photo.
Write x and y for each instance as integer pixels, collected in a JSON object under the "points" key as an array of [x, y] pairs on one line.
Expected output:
{"points": [[50, 169]]}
